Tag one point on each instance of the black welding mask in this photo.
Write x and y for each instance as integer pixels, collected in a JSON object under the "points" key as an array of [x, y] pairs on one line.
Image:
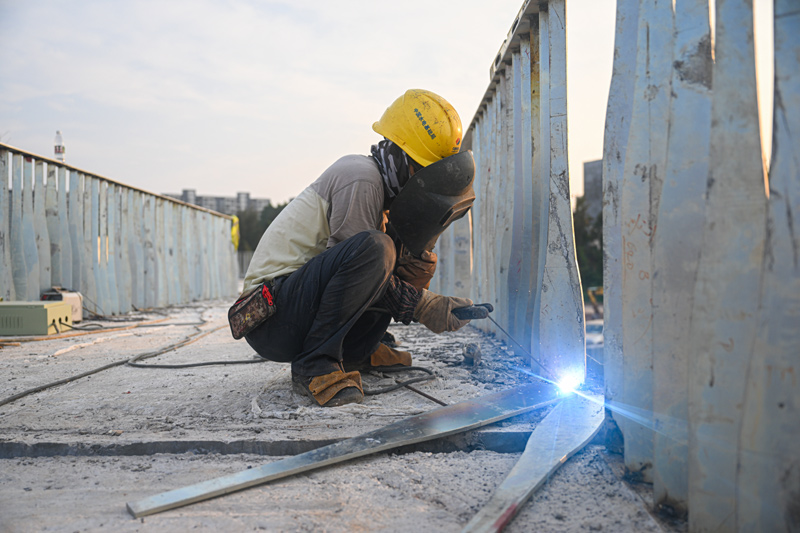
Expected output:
{"points": [[433, 198]]}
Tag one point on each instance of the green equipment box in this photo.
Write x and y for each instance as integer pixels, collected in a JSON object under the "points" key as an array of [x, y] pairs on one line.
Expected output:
{"points": [[35, 318]]}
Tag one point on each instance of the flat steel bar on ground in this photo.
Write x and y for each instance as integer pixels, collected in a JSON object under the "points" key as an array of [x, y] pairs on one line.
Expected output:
{"points": [[441, 422], [564, 431]]}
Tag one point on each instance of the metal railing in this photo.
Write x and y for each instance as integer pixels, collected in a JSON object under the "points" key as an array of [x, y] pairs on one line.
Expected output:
{"points": [[121, 247], [516, 250], [701, 275], [702, 286]]}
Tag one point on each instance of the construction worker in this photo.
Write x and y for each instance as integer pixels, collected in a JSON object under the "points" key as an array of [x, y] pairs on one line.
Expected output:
{"points": [[335, 277]]}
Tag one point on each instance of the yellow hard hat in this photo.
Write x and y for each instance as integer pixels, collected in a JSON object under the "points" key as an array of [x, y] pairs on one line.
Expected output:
{"points": [[423, 124]]}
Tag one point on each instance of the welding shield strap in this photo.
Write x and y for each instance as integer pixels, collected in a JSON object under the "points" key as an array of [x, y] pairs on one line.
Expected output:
{"points": [[433, 198]]}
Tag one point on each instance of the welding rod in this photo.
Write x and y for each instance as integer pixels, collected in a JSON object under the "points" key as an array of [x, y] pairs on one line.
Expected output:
{"points": [[529, 354], [480, 311]]}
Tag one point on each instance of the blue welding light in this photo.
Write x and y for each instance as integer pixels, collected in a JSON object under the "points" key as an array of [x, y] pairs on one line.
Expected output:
{"points": [[570, 381]]}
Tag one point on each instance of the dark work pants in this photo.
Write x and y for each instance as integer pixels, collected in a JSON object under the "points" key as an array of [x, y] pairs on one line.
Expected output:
{"points": [[321, 314]]}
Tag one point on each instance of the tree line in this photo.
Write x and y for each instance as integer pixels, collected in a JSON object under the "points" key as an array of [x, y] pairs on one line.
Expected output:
{"points": [[253, 224], [588, 245]]}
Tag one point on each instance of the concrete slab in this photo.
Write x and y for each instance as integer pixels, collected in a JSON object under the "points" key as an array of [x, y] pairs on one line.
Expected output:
{"points": [[72, 455], [209, 407], [416, 491]]}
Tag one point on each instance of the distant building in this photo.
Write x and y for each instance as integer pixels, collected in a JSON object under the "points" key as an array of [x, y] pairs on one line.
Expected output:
{"points": [[222, 204], [258, 204], [593, 187]]}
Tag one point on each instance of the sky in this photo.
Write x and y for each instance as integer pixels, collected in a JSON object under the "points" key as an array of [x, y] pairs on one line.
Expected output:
{"points": [[227, 96]]}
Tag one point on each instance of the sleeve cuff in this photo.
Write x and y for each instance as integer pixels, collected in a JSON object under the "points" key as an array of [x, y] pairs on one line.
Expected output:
{"points": [[401, 299]]}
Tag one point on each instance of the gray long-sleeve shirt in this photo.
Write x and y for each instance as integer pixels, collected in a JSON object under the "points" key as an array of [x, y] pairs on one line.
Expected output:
{"points": [[346, 199]]}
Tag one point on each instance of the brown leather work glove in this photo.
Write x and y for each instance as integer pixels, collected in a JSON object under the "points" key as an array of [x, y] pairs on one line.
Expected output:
{"points": [[434, 311], [417, 271]]}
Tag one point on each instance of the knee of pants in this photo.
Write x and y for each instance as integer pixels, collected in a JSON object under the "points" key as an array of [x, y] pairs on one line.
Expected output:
{"points": [[380, 248]]}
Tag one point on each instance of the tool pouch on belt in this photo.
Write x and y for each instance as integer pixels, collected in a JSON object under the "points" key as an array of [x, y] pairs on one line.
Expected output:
{"points": [[251, 310]]}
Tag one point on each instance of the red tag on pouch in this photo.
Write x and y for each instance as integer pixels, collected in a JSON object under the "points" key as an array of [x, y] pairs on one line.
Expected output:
{"points": [[250, 311]]}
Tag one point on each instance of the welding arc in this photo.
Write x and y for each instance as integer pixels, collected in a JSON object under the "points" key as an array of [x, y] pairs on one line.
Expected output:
{"points": [[529, 354]]}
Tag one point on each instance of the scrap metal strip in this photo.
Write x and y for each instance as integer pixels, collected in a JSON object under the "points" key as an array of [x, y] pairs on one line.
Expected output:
{"points": [[564, 431], [441, 422]]}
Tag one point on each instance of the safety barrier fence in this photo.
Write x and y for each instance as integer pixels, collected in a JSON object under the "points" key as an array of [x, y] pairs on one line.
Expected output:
{"points": [[121, 247], [516, 250], [702, 283], [701, 247]]}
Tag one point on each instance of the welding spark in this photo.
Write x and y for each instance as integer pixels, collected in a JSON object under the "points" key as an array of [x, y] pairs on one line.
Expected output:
{"points": [[570, 381], [671, 427]]}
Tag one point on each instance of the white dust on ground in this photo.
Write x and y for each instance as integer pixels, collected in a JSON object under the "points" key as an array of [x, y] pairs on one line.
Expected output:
{"points": [[411, 492]]}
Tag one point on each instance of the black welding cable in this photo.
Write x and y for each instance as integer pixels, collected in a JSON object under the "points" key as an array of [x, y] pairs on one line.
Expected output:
{"points": [[399, 384], [172, 324], [95, 316], [207, 363], [195, 337], [133, 360], [59, 382], [129, 318], [147, 355], [74, 334], [86, 326], [93, 326], [99, 316], [92, 312], [86, 331]]}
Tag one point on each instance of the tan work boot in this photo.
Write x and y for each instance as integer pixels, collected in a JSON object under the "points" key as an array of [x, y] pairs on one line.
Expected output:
{"points": [[382, 356], [330, 390]]}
